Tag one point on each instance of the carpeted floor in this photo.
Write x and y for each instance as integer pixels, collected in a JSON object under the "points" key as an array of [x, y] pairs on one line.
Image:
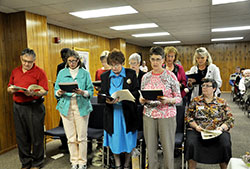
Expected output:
{"points": [[239, 136]]}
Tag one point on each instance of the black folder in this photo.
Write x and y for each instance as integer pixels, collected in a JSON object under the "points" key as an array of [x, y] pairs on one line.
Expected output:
{"points": [[151, 94], [68, 87]]}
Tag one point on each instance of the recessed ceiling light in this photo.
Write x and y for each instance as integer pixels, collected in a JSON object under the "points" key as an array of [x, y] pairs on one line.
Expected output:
{"points": [[166, 42], [122, 10], [217, 2], [238, 28], [151, 34], [226, 39], [135, 26]]}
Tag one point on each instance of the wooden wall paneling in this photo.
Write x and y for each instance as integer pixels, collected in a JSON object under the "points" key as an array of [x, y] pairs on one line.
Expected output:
{"points": [[3, 113], [121, 45], [13, 41]]}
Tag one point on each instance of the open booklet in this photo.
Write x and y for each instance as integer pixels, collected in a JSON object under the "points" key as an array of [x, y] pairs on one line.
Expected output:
{"points": [[209, 134], [124, 94], [34, 87], [68, 86]]}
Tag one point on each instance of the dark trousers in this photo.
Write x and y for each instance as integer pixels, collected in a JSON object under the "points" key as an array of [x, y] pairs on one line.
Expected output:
{"points": [[29, 125]]}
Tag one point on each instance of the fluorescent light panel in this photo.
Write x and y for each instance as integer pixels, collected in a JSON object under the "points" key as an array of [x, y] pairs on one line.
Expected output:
{"points": [[122, 10], [135, 26], [218, 2], [166, 42], [238, 28], [150, 34], [226, 39]]}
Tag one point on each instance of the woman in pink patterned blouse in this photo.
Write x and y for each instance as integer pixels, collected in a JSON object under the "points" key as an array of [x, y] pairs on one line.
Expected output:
{"points": [[159, 116]]}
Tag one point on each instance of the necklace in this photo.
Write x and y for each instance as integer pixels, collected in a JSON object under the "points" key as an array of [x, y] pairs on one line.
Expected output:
{"points": [[116, 85]]}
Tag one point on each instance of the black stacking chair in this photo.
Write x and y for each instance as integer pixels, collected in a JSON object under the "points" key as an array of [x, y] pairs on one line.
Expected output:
{"points": [[55, 133], [180, 133]]}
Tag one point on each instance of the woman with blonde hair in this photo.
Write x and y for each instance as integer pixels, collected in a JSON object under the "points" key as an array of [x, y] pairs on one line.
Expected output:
{"points": [[172, 54], [203, 68]]}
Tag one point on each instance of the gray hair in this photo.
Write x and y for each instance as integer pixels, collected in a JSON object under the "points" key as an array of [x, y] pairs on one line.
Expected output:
{"points": [[29, 52], [135, 56], [201, 51], [104, 54]]}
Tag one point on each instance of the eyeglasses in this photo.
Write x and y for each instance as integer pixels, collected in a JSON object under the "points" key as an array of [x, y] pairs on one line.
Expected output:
{"points": [[133, 63], [206, 86], [72, 61], [155, 60], [27, 61], [115, 66]]}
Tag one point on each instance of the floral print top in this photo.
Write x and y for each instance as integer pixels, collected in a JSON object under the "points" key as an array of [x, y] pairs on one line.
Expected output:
{"points": [[209, 115], [169, 84]]}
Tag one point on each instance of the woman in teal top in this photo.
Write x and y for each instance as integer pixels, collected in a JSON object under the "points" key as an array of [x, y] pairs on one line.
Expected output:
{"points": [[75, 108]]}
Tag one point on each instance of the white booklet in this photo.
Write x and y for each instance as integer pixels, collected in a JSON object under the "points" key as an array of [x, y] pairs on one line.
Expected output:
{"points": [[123, 95], [209, 134]]}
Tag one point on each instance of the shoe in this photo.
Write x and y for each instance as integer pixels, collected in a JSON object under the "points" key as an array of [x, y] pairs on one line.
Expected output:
{"points": [[82, 166], [74, 167], [98, 152], [97, 161]]}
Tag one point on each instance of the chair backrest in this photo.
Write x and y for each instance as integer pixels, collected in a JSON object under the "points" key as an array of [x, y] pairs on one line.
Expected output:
{"points": [[180, 119], [96, 116]]}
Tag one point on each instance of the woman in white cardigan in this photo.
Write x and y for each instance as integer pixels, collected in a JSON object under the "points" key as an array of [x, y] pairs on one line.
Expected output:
{"points": [[204, 68]]}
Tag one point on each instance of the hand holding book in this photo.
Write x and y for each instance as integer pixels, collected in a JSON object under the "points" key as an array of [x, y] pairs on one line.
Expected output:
{"points": [[119, 96], [32, 90]]}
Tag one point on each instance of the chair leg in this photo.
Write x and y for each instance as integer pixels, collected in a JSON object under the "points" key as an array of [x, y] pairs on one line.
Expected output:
{"points": [[45, 144], [103, 156], [140, 162]]}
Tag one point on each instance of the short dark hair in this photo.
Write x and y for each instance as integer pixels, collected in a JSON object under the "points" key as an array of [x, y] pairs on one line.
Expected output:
{"points": [[157, 50], [115, 56], [65, 52], [29, 52], [214, 83]]}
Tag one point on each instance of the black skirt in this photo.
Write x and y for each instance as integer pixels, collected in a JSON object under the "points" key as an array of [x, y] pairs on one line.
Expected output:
{"points": [[212, 151]]}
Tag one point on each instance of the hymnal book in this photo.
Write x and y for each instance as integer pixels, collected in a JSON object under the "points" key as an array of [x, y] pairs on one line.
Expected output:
{"points": [[106, 96], [209, 134], [124, 94], [193, 76], [97, 83], [151, 94], [68, 87], [34, 87]]}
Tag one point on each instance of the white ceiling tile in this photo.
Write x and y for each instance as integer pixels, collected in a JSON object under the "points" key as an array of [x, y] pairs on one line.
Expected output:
{"points": [[189, 21]]}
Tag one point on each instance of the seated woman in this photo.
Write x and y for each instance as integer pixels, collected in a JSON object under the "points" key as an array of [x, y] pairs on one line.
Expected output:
{"points": [[211, 113]]}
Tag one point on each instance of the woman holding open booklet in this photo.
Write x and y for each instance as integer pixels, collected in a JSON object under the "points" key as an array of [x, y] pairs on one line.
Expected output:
{"points": [[120, 117], [159, 115], [74, 89], [206, 115]]}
